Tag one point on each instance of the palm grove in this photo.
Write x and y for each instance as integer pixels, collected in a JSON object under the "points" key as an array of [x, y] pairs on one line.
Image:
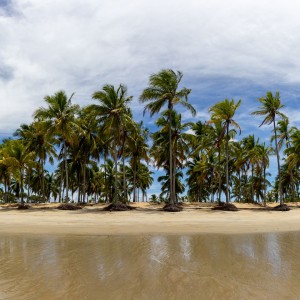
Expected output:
{"points": [[103, 155]]}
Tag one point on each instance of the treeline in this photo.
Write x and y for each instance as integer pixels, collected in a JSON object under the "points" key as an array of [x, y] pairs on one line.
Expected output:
{"points": [[103, 154]]}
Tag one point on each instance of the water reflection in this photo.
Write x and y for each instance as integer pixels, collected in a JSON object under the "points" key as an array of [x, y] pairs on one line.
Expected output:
{"points": [[262, 266]]}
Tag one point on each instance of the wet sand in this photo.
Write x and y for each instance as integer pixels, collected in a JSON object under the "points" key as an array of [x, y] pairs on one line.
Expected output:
{"points": [[147, 219], [207, 266], [149, 254]]}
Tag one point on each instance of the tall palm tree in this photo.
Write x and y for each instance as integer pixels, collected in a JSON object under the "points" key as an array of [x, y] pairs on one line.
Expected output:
{"points": [[59, 117], [113, 114], [270, 108], [163, 90], [224, 112]]}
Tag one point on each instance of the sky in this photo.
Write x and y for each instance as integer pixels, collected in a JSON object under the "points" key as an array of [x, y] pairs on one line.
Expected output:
{"points": [[225, 48]]}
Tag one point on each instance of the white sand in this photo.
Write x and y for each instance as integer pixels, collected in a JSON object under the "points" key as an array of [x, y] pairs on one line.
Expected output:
{"points": [[146, 220]]}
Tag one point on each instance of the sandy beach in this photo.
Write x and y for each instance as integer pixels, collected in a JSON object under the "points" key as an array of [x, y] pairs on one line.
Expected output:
{"points": [[146, 219]]}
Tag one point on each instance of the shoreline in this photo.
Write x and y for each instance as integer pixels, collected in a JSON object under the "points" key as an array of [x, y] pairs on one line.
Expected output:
{"points": [[147, 220]]}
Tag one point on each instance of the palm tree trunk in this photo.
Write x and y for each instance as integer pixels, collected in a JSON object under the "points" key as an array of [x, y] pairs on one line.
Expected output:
{"points": [[134, 181], [227, 172], [5, 191], [171, 156], [105, 176], [43, 179], [220, 179], [22, 188], [239, 194], [116, 172], [61, 185], [278, 165], [252, 185], [84, 181], [265, 186], [66, 170], [174, 178], [124, 181]]}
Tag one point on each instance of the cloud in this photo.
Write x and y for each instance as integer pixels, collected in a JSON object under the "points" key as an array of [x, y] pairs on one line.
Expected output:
{"points": [[81, 45], [226, 49]]}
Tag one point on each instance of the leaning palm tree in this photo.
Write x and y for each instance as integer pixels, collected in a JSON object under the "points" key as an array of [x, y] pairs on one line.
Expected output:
{"points": [[163, 90], [270, 108], [114, 115], [60, 119], [224, 112]]}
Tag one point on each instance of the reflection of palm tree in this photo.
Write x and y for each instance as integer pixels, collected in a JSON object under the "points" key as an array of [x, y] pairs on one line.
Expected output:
{"points": [[59, 118], [224, 112], [163, 90], [113, 114], [271, 105]]}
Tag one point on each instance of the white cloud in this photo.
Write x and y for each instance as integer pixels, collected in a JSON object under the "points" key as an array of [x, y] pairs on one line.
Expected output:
{"points": [[293, 115], [80, 45]]}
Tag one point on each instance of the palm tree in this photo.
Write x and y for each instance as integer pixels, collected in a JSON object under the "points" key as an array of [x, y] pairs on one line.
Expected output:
{"points": [[113, 114], [138, 150], [163, 90], [36, 139], [284, 133], [59, 117], [180, 143], [263, 152], [17, 157], [293, 152], [270, 107], [87, 145], [224, 112]]}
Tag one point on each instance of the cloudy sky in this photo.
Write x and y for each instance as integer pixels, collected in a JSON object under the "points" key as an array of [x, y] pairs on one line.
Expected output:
{"points": [[225, 48]]}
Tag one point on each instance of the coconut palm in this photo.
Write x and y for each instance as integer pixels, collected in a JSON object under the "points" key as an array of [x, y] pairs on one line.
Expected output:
{"points": [[284, 132], [87, 146], [137, 150], [17, 157], [113, 114], [180, 143], [163, 90], [59, 117], [224, 112], [36, 139], [270, 108], [293, 152]]}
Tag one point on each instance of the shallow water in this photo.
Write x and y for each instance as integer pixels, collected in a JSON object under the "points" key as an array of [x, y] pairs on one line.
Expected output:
{"points": [[256, 266]]}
